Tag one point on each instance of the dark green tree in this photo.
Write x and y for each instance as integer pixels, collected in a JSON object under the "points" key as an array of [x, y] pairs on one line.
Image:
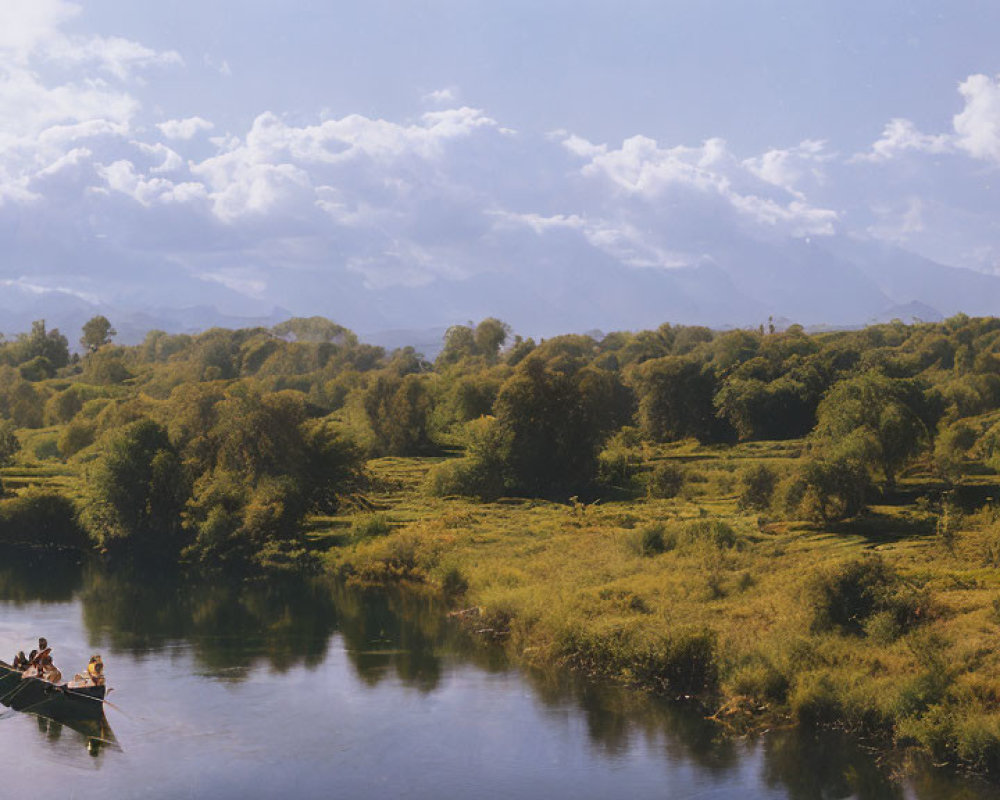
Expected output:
{"points": [[135, 493]]}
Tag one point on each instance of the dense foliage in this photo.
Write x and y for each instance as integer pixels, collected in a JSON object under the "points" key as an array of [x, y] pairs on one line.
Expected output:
{"points": [[218, 445]]}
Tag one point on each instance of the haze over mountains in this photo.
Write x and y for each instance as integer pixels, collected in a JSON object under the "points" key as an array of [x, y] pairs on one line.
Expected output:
{"points": [[832, 282]]}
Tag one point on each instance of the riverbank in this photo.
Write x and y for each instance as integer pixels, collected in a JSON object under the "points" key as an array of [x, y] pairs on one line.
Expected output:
{"points": [[884, 626]]}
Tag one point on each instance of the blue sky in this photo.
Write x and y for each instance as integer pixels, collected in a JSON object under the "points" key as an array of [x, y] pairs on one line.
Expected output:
{"points": [[260, 153]]}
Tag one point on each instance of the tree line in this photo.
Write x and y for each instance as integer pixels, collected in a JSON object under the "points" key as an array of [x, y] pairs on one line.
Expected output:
{"points": [[215, 447]]}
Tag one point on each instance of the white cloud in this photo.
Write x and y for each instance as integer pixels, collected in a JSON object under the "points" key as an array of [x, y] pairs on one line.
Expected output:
{"points": [[184, 129], [168, 160], [901, 136], [112, 54], [28, 25], [787, 168], [977, 127], [641, 168], [441, 96]]}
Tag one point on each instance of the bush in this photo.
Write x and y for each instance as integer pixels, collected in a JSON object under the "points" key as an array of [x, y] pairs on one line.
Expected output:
{"points": [[77, 435], [847, 596], [370, 526], [616, 465], [453, 583], [716, 532], [45, 446], [814, 701], [41, 517], [760, 680], [757, 487], [665, 481], [835, 489], [650, 540]]}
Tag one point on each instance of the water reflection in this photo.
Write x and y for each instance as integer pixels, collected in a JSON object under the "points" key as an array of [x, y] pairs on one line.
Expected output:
{"points": [[38, 576], [230, 631]]}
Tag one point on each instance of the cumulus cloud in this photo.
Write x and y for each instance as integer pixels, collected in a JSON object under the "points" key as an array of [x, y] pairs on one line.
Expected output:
{"points": [[184, 129], [29, 25], [789, 167], [643, 169], [977, 127], [901, 136]]}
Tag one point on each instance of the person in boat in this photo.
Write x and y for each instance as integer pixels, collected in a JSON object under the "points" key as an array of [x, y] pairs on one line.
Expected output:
{"points": [[20, 661], [47, 670], [94, 675], [96, 671]]}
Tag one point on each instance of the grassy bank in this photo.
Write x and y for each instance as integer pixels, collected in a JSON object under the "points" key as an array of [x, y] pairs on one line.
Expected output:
{"points": [[887, 624]]}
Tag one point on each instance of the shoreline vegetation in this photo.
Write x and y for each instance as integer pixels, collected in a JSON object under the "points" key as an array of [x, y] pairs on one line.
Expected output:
{"points": [[789, 528]]}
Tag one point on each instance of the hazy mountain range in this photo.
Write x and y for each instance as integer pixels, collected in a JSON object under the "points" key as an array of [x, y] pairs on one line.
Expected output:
{"points": [[832, 281]]}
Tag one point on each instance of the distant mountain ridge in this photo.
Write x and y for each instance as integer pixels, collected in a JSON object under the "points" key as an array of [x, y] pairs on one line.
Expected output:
{"points": [[739, 281]]}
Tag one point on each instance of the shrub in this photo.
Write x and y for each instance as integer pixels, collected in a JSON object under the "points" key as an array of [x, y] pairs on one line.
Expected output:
{"points": [[760, 680], [977, 742], [45, 446], [77, 435], [370, 526], [665, 481], [453, 583], [716, 532], [616, 465], [848, 595], [650, 540], [757, 487], [43, 518], [814, 701], [835, 489]]}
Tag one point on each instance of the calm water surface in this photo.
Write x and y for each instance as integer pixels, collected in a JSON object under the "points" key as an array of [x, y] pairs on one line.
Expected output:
{"points": [[308, 690]]}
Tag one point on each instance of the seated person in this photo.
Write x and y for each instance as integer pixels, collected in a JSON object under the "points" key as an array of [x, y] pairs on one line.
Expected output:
{"points": [[94, 675], [96, 671], [47, 670]]}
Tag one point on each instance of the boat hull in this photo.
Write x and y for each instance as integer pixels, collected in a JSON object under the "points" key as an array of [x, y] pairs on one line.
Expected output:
{"points": [[50, 700]]}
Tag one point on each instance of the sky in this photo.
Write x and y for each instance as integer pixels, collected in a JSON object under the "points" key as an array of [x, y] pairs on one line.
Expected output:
{"points": [[331, 157]]}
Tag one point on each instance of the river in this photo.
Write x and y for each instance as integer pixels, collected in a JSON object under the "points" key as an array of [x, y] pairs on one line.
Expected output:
{"points": [[309, 690]]}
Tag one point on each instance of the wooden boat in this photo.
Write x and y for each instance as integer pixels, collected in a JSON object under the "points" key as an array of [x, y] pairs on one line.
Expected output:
{"points": [[56, 701]]}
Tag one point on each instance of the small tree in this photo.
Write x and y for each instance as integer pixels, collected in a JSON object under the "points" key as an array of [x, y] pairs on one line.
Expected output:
{"points": [[9, 444], [97, 332]]}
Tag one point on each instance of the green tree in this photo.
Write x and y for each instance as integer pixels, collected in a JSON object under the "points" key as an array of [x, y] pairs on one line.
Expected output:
{"points": [[40, 342], [398, 410], [270, 466], [490, 335], [459, 343], [314, 329], [136, 491], [876, 420], [550, 425], [675, 395], [97, 332]]}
